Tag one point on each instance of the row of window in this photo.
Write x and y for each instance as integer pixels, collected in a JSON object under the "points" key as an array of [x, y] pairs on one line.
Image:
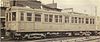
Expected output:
{"points": [[58, 18], [82, 20], [51, 18], [12, 16]]}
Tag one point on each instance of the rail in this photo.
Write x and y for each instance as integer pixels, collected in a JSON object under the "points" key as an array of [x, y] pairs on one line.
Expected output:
{"points": [[71, 39]]}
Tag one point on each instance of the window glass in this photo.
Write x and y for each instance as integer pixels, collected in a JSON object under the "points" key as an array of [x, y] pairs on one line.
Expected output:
{"points": [[56, 18], [79, 20], [72, 19], [38, 17], [66, 19], [7, 17], [60, 18], [50, 18], [13, 16], [90, 21], [93, 21], [82, 20], [46, 18], [87, 20], [75, 19], [29, 16], [22, 16]]}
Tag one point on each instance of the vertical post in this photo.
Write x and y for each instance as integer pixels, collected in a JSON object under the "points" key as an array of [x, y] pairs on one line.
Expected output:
{"points": [[96, 17]]}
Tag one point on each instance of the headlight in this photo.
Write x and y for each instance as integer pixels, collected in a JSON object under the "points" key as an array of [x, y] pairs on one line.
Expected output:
{"points": [[2, 37]]}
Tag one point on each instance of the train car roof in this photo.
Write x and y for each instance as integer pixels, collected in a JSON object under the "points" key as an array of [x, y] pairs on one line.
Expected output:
{"points": [[45, 11]]}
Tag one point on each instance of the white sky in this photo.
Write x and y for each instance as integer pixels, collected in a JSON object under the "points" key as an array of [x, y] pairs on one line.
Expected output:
{"points": [[78, 5]]}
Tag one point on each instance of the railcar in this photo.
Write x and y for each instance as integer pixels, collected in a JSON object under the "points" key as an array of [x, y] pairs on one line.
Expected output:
{"points": [[24, 22]]}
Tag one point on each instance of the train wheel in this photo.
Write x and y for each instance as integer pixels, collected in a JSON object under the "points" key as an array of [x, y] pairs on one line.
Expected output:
{"points": [[17, 38]]}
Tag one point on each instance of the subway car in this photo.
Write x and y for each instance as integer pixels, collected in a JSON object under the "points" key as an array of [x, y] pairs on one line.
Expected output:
{"points": [[28, 23]]}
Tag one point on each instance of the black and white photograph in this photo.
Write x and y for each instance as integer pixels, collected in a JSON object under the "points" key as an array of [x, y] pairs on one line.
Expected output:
{"points": [[49, 20]]}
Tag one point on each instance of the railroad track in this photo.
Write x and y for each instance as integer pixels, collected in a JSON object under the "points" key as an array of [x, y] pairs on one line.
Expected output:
{"points": [[72, 39], [64, 39]]}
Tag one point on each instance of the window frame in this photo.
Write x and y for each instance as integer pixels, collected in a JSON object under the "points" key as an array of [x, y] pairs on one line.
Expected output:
{"points": [[82, 20], [75, 19], [79, 20], [38, 18], [29, 16], [46, 17], [72, 19], [66, 19], [7, 16], [50, 18], [56, 18], [60, 18], [93, 21], [87, 20], [13, 16]]}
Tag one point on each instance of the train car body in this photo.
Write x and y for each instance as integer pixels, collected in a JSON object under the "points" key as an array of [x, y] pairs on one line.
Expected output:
{"points": [[27, 20], [45, 24]]}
